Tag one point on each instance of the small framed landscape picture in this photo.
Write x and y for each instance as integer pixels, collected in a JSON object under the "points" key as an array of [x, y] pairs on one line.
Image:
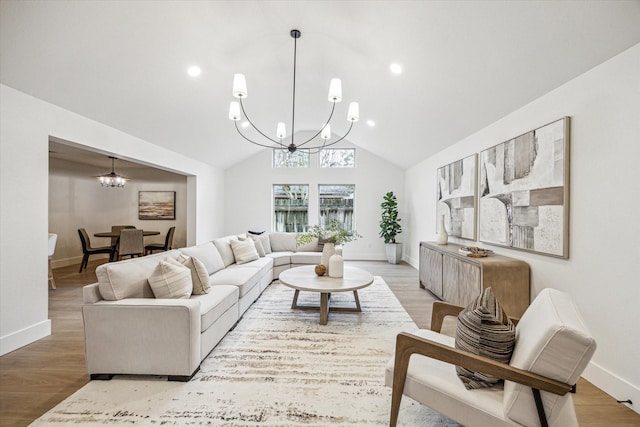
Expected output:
{"points": [[157, 205]]}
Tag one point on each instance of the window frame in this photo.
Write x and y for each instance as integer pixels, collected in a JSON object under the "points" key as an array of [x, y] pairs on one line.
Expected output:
{"points": [[320, 166], [353, 208], [284, 150], [274, 224]]}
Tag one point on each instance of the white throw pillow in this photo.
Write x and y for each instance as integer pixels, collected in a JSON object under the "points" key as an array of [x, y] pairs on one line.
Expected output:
{"points": [[170, 279], [199, 275], [259, 246], [244, 251]]}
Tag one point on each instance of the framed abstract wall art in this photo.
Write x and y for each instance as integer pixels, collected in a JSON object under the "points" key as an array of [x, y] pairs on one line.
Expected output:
{"points": [[157, 205], [524, 191], [456, 194]]}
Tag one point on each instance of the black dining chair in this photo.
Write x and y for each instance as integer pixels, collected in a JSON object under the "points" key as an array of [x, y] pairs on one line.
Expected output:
{"points": [[87, 250], [168, 242]]}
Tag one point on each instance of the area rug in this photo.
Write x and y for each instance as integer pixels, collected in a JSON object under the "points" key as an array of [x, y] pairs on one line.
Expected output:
{"points": [[277, 367]]}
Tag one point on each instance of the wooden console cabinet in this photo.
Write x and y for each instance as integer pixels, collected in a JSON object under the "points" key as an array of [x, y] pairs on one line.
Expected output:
{"points": [[458, 279]]}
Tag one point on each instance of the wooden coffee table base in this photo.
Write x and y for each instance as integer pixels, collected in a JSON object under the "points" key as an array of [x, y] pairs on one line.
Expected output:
{"points": [[325, 308]]}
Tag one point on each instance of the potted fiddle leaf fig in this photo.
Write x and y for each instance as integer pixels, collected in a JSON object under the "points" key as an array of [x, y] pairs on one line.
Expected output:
{"points": [[390, 227]]}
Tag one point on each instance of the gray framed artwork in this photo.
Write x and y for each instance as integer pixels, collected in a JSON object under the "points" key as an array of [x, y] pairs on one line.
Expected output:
{"points": [[524, 191], [157, 205], [456, 197]]}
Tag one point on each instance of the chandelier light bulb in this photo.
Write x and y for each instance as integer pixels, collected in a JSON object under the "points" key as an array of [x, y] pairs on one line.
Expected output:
{"points": [[335, 90], [353, 115], [239, 86], [234, 111], [326, 132], [281, 131]]}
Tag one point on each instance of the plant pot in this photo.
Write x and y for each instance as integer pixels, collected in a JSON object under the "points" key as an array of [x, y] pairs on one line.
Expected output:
{"points": [[394, 252]]}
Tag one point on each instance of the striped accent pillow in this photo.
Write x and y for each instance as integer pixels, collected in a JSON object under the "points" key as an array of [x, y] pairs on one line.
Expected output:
{"points": [[171, 280], [484, 329], [199, 274], [244, 251]]}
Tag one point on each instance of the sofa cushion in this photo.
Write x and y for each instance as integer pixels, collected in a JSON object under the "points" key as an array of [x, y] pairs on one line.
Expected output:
{"points": [[224, 247], [283, 242], [244, 278], [216, 303], [170, 279], [259, 247], [280, 258], [261, 265], [484, 329], [261, 241], [208, 254], [128, 279], [244, 250], [312, 246], [199, 274], [552, 340], [306, 257]]}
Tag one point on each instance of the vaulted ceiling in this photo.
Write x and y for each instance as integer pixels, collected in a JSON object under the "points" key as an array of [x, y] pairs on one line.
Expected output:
{"points": [[465, 64]]}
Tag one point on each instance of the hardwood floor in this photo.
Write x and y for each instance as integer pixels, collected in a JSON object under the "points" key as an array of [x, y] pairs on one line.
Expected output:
{"points": [[37, 377]]}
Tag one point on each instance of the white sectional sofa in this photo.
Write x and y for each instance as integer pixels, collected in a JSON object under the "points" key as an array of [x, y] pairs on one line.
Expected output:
{"points": [[130, 331]]}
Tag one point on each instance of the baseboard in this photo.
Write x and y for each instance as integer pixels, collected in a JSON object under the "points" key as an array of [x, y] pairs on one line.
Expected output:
{"points": [[613, 385], [25, 336], [65, 262]]}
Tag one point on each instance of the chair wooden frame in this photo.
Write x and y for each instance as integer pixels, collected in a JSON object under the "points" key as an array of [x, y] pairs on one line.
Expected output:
{"points": [[408, 344]]}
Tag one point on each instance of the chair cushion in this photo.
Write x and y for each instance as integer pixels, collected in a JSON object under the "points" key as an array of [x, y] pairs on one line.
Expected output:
{"points": [[170, 279], [199, 274], [551, 340], [244, 251], [484, 329], [128, 279], [207, 254]]}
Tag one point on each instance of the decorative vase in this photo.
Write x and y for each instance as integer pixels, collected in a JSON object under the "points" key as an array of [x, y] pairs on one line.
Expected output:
{"points": [[443, 236], [336, 265], [327, 251]]}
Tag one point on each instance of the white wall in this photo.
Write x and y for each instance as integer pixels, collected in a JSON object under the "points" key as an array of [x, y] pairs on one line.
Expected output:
{"points": [[76, 200], [249, 190], [602, 273], [26, 123]]}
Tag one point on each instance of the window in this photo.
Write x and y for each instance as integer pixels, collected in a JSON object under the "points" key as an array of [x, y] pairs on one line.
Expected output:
{"points": [[336, 202], [291, 207], [285, 159], [338, 158]]}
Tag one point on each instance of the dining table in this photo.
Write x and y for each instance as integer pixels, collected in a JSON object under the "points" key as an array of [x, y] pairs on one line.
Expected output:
{"points": [[117, 233]]}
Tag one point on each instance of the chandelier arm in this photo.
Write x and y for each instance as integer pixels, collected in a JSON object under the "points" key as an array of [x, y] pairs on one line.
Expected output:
{"points": [[257, 143], [318, 149], [322, 128], [254, 126]]}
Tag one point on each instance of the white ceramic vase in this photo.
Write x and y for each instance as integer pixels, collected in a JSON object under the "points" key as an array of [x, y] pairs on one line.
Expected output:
{"points": [[443, 236], [336, 265], [327, 251]]}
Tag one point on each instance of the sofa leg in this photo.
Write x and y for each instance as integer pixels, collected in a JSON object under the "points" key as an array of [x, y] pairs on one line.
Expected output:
{"points": [[183, 378], [101, 377]]}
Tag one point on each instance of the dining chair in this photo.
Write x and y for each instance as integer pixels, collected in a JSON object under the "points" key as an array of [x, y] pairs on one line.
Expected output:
{"points": [[130, 243], [87, 250], [168, 242], [117, 228]]}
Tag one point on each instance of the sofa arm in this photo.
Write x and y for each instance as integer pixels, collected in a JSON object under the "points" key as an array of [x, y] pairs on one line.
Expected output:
{"points": [[142, 336]]}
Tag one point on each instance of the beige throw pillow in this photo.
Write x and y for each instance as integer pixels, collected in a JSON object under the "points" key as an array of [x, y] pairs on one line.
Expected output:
{"points": [[244, 251], [259, 246], [484, 329], [170, 279], [199, 275]]}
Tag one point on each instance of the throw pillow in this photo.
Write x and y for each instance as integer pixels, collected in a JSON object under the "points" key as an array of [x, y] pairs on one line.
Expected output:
{"points": [[244, 251], [171, 280], [259, 247], [199, 275], [484, 329]]}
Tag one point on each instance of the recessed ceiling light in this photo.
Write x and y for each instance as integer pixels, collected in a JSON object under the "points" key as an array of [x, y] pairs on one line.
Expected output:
{"points": [[371, 123], [395, 68], [245, 124], [194, 71]]}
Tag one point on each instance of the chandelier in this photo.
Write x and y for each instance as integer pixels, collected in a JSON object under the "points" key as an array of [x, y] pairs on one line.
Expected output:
{"points": [[335, 96], [112, 179]]}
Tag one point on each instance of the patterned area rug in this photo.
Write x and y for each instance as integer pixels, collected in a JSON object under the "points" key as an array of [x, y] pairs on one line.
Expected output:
{"points": [[278, 367]]}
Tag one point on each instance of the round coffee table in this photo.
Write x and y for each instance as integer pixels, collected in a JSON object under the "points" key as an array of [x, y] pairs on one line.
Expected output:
{"points": [[305, 279]]}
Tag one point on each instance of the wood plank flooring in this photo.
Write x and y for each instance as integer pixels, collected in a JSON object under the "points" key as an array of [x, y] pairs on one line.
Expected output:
{"points": [[37, 377]]}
